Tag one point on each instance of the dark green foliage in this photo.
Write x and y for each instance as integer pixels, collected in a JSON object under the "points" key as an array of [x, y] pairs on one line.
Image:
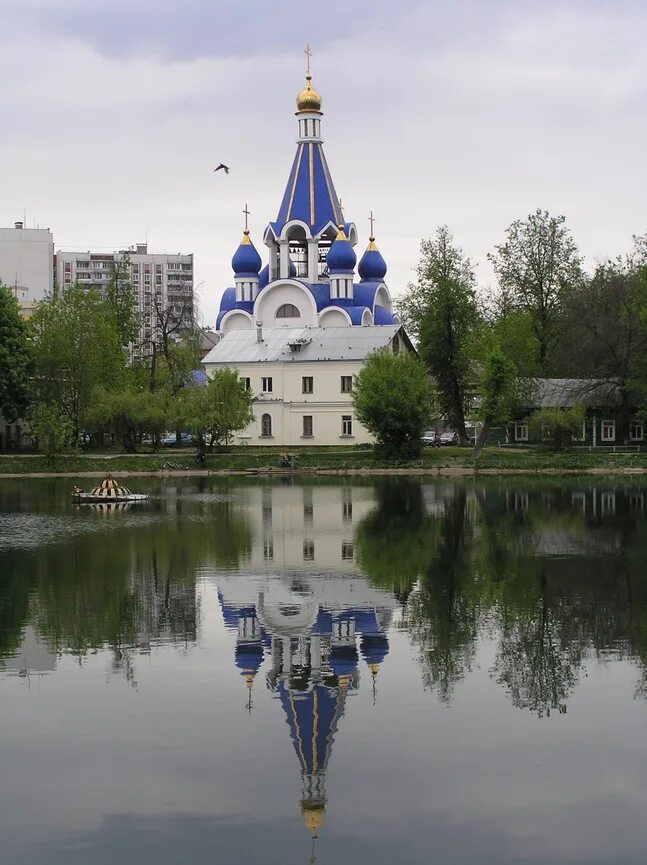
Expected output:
{"points": [[15, 359], [440, 311], [558, 427], [216, 411], [128, 414], [392, 398]]}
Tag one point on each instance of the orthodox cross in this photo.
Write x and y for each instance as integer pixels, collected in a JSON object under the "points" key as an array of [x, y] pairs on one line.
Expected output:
{"points": [[246, 212], [308, 53], [371, 220], [341, 208]]}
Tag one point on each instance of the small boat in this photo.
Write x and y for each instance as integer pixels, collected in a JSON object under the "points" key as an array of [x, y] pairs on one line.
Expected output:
{"points": [[108, 492]]}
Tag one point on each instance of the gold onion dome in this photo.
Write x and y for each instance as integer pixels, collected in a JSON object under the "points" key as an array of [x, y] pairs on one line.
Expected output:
{"points": [[308, 99]]}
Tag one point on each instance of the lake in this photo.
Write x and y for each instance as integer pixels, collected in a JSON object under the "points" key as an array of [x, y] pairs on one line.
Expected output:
{"points": [[327, 670]]}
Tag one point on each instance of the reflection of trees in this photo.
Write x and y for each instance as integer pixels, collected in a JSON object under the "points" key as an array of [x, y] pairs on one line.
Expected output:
{"points": [[16, 580], [129, 586], [540, 568], [442, 614], [396, 540]]}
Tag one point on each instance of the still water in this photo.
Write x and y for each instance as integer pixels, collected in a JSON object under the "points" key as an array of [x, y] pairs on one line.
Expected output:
{"points": [[388, 671]]}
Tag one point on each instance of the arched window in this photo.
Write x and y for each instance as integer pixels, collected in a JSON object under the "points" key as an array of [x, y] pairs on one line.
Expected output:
{"points": [[266, 426], [288, 310]]}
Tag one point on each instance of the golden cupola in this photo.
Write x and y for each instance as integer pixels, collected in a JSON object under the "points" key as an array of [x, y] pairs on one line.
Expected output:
{"points": [[309, 99]]}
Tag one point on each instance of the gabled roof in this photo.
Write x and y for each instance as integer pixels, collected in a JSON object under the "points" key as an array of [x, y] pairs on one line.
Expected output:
{"points": [[310, 194], [566, 392], [300, 344]]}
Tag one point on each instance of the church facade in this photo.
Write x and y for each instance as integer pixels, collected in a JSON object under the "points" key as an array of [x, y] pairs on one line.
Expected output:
{"points": [[277, 321]]}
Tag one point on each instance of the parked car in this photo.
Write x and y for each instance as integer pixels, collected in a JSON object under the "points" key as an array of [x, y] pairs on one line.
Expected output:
{"points": [[431, 439], [448, 439], [170, 440]]}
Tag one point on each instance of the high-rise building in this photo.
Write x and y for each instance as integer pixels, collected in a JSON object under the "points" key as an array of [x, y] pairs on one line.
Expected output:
{"points": [[163, 285], [27, 261]]}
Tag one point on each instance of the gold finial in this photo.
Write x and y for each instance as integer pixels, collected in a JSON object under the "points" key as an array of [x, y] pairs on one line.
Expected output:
{"points": [[308, 99], [341, 234]]}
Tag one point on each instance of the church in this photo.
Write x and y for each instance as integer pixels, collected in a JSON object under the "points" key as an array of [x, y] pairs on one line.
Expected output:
{"points": [[299, 328]]}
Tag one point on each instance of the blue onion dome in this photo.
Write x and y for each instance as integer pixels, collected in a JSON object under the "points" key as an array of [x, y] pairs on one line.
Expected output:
{"points": [[249, 657], [341, 255], [374, 648], [246, 260], [372, 267], [343, 660]]}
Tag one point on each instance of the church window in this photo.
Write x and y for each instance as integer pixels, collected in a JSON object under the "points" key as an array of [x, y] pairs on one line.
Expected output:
{"points": [[288, 310], [347, 384], [307, 426], [266, 426], [268, 548], [307, 384], [247, 384], [347, 550], [608, 431], [266, 384], [636, 431], [346, 425]]}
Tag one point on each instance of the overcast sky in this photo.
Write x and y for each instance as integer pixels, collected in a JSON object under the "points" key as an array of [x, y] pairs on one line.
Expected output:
{"points": [[472, 113]]}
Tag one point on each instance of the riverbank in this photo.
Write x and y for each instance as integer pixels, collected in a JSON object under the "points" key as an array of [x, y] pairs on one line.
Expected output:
{"points": [[332, 461]]}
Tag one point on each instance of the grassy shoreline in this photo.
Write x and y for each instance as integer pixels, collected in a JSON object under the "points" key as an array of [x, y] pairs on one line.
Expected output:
{"points": [[325, 461]]}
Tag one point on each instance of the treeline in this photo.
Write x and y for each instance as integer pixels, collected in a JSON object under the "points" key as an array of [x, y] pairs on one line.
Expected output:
{"points": [[546, 317], [69, 372]]}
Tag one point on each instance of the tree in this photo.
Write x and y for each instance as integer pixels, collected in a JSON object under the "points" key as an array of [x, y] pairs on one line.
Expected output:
{"points": [[536, 268], [392, 398], [52, 428], [559, 426], [440, 311], [122, 299], [217, 410], [497, 390], [77, 347], [15, 358], [128, 414]]}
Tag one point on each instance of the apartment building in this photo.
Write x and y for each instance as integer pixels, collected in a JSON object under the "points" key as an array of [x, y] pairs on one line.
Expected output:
{"points": [[27, 261], [163, 285]]}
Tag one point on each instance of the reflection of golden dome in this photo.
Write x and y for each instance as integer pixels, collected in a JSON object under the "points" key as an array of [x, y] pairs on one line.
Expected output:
{"points": [[313, 817], [308, 99]]}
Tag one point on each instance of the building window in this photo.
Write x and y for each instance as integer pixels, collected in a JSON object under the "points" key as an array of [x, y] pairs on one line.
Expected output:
{"points": [[308, 551], [158, 268], [346, 425], [266, 426], [347, 384], [608, 431], [347, 510], [307, 384], [288, 310], [266, 384], [268, 548], [636, 431], [307, 426], [521, 432], [247, 383], [347, 550]]}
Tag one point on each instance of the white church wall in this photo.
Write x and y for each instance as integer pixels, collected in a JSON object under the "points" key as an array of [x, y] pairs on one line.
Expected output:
{"points": [[274, 296], [333, 318], [235, 321], [287, 404]]}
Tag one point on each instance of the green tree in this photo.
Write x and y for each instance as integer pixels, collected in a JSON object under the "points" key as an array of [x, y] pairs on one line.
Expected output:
{"points": [[559, 426], [392, 398], [128, 414], [15, 358], [77, 347], [52, 428], [121, 298], [537, 266], [440, 311], [497, 390], [216, 411]]}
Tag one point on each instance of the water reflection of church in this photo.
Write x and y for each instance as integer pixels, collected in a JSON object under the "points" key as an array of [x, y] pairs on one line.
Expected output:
{"points": [[317, 632]]}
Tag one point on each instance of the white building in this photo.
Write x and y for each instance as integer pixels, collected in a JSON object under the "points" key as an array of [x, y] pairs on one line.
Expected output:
{"points": [[302, 379], [162, 282], [27, 261]]}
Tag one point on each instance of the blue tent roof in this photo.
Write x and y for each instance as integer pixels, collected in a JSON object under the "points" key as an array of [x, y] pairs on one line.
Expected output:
{"points": [[312, 717], [381, 315], [310, 194]]}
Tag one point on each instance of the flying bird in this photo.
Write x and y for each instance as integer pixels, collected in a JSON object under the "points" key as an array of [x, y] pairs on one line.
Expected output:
{"points": [[222, 165]]}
